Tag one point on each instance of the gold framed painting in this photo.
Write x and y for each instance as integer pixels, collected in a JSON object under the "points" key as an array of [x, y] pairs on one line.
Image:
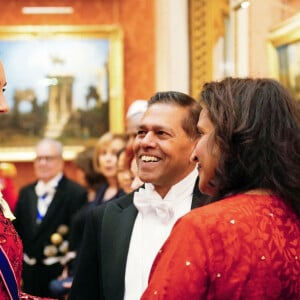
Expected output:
{"points": [[63, 82], [284, 54]]}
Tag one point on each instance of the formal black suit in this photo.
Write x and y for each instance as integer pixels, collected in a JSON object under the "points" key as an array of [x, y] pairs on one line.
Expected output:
{"points": [[68, 199], [102, 261]]}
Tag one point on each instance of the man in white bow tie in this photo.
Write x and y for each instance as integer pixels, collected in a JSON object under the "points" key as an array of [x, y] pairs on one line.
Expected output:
{"points": [[43, 214], [123, 237]]}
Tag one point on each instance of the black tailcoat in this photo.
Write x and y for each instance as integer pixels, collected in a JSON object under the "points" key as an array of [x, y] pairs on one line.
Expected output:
{"points": [[67, 200], [102, 261]]}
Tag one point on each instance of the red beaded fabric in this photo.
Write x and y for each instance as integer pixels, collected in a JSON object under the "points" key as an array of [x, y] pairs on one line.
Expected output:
{"points": [[243, 247]]}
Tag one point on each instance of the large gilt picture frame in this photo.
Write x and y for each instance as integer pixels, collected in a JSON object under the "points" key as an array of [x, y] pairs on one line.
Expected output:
{"points": [[284, 54], [63, 82]]}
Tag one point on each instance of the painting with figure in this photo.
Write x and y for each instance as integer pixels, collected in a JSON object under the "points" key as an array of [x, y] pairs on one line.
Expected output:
{"points": [[56, 88]]}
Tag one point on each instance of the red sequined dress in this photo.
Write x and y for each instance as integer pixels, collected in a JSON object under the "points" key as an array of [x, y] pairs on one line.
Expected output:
{"points": [[243, 247]]}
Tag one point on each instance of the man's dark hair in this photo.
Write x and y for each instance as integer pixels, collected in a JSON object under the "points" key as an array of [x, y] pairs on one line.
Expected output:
{"points": [[183, 100]]}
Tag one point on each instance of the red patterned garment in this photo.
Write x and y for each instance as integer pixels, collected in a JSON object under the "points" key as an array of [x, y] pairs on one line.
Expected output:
{"points": [[12, 245], [13, 248], [243, 247]]}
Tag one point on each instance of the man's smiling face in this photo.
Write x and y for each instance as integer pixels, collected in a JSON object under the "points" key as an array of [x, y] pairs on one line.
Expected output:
{"points": [[162, 147]]}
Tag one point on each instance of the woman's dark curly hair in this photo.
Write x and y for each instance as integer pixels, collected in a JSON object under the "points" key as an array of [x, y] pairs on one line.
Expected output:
{"points": [[257, 127]]}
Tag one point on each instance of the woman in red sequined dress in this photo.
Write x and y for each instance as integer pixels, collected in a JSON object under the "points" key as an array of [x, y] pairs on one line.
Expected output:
{"points": [[9, 239], [245, 244]]}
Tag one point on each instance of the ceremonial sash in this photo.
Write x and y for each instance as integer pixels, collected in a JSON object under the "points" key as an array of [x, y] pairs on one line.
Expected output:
{"points": [[8, 276]]}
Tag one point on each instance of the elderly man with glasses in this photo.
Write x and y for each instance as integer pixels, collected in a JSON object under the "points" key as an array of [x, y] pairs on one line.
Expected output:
{"points": [[43, 215]]}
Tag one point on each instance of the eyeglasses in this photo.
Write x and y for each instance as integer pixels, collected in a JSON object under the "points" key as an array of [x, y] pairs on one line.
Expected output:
{"points": [[46, 158]]}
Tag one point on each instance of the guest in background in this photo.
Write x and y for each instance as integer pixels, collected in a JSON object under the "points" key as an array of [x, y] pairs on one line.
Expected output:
{"points": [[134, 116], [86, 175], [246, 244], [136, 182], [99, 175], [11, 248], [125, 175], [43, 216], [91, 181], [123, 236], [133, 119], [105, 162], [8, 172]]}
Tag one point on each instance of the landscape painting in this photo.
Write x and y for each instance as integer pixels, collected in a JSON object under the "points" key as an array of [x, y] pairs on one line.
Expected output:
{"points": [[59, 85]]}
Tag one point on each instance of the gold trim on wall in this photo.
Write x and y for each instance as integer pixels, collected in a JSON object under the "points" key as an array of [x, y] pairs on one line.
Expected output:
{"points": [[206, 24], [115, 74], [286, 34]]}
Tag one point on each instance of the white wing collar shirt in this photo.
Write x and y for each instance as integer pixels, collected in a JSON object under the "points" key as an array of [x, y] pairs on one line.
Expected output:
{"points": [[45, 193], [152, 226], [6, 209]]}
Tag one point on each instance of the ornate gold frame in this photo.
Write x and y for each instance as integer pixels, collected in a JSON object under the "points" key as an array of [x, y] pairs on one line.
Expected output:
{"points": [[206, 25], [115, 75], [286, 33]]}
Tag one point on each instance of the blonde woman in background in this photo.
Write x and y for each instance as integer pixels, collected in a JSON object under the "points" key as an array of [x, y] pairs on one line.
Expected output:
{"points": [[106, 163]]}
